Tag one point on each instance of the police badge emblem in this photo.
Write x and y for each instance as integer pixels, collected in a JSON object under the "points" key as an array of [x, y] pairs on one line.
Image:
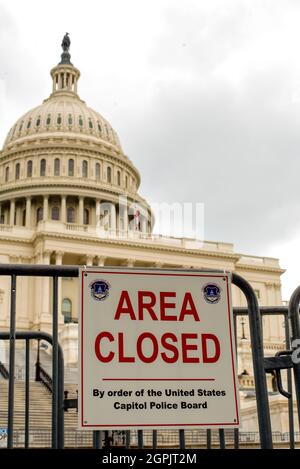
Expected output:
{"points": [[212, 293], [99, 289]]}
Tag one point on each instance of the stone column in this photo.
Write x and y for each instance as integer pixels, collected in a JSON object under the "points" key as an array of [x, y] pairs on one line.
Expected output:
{"points": [[80, 210], [12, 212], [28, 212], [89, 260], [98, 208], [144, 224], [45, 207], [63, 208], [45, 306], [113, 220], [101, 260]]}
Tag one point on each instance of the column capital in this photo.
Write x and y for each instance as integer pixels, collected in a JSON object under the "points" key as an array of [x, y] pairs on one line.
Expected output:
{"points": [[58, 257], [101, 260], [89, 260]]}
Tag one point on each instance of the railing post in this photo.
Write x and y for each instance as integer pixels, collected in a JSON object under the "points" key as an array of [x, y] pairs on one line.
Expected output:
{"points": [[263, 411], [295, 325]]}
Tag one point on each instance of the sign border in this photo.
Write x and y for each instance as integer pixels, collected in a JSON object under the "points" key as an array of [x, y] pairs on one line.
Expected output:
{"points": [[84, 272]]}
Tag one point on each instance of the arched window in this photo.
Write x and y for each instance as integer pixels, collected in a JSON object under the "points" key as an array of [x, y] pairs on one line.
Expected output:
{"points": [[70, 120], [86, 216], [18, 171], [59, 120], [119, 178], [109, 174], [66, 309], [56, 167], [39, 214], [84, 169], [97, 171], [48, 121], [70, 215], [71, 168], [55, 213], [6, 174], [43, 167], [29, 169]]}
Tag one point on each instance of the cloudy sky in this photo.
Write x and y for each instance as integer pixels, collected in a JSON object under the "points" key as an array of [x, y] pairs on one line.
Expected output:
{"points": [[205, 97]]}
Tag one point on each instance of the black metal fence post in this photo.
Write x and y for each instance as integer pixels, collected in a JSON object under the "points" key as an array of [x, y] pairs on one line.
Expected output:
{"points": [[295, 325], [264, 420]]}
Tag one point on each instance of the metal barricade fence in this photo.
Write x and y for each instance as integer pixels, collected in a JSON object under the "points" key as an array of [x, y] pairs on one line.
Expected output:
{"points": [[261, 365]]}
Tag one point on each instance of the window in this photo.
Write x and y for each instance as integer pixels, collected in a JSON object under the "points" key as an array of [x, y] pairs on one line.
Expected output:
{"points": [[86, 216], [97, 171], [70, 121], [59, 119], [56, 167], [18, 171], [84, 169], [48, 121], [90, 124], [6, 174], [99, 127], [39, 214], [109, 174], [29, 124], [43, 167], [29, 169], [55, 213], [80, 121], [66, 309], [119, 178], [71, 168], [70, 215], [38, 121]]}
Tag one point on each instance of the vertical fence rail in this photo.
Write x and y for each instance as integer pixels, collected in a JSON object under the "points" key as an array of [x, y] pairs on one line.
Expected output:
{"points": [[295, 326], [264, 420], [290, 386], [27, 402], [54, 362], [12, 353]]}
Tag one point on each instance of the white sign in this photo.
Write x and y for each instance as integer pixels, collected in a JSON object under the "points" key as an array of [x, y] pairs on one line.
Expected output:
{"points": [[156, 350]]}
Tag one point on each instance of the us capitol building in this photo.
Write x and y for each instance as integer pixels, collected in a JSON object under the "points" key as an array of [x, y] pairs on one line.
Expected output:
{"points": [[68, 194]]}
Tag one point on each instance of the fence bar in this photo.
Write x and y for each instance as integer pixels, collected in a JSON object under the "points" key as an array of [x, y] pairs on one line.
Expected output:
{"points": [[27, 370], [127, 439], [264, 420], [60, 397], [295, 324], [96, 439], [236, 430], [208, 438], [12, 352], [140, 439], [154, 439], [236, 438], [222, 438], [54, 362], [181, 439], [290, 386]]}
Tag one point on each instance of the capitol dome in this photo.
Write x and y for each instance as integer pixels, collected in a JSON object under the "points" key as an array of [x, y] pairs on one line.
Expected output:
{"points": [[62, 162], [63, 113]]}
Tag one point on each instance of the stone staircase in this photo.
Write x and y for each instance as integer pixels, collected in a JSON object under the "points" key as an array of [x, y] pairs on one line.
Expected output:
{"points": [[40, 406]]}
